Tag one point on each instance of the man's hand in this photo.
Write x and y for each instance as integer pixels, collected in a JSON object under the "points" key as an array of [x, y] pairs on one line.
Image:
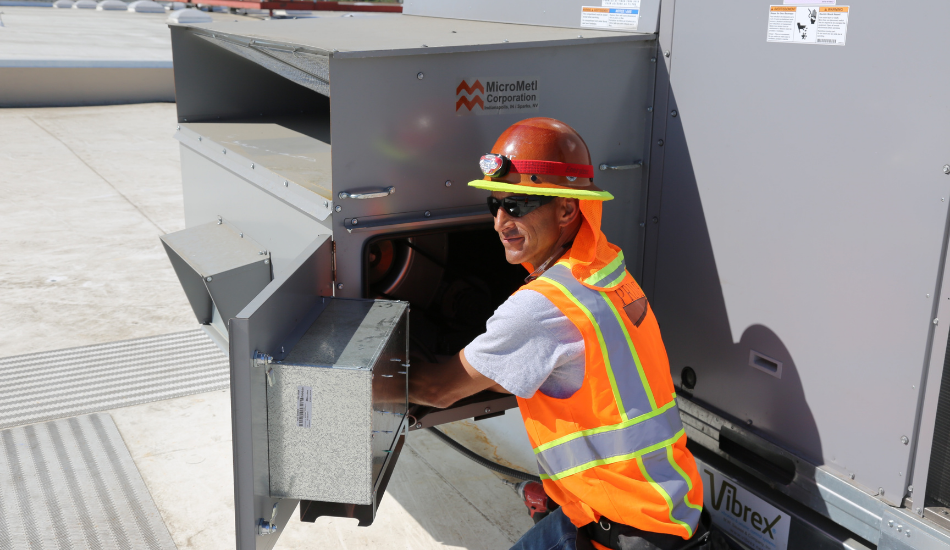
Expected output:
{"points": [[441, 384]]}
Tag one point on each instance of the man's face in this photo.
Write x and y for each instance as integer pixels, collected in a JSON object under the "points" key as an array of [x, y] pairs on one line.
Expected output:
{"points": [[531, 237]]}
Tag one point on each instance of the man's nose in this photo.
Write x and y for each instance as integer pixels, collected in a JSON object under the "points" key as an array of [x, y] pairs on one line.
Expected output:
{"points": [[502, 219]]}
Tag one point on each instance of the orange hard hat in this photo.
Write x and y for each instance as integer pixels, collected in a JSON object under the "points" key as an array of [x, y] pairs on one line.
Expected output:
{"points": [[540, 156]]}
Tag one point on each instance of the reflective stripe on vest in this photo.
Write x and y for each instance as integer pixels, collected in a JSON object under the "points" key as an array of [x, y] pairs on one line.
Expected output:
{"points": [[646, 433], [630, 386], [610, 275], [583, 450]]}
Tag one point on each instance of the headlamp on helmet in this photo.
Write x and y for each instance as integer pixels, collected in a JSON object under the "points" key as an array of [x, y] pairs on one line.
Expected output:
{"points": [[494, 166]]}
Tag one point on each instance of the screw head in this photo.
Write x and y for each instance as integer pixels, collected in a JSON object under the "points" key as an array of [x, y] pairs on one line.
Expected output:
{"points": [[946, 168], [652, 60], [326, 204], [910, 488], [354, 221], [666, 53], [266, 262], [178, 127], [199, 138], [904, 440], [224, 151], [420, 76], [650, 109], [936, 321], [241, 235], [339, 286], [286, 183], [338, 208], [851, 476], [419, 425], [428, 214], [656, 219], [448, 183], [880, 491], [659, 142], [487, 409], [208, 279], [252, 166]]}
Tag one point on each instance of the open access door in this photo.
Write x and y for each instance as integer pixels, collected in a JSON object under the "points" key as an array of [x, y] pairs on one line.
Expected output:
{"points": [[318, 401]]}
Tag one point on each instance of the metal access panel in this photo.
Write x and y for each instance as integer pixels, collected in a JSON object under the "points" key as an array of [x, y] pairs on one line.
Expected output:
{"points": [[336, 404], [801, 229]]}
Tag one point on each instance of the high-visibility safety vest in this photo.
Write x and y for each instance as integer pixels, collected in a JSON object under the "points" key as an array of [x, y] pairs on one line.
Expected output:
{"points": [[616, 447]]}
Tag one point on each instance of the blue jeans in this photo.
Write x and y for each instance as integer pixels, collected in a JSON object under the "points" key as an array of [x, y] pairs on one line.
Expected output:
{"points": [[555, 532]]}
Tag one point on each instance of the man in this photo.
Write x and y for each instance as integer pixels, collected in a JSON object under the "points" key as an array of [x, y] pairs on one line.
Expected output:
{"points": [[579, 346]]}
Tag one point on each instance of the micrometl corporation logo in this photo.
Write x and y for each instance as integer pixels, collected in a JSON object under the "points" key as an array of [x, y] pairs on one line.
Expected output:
{"points": [[492, 96]]}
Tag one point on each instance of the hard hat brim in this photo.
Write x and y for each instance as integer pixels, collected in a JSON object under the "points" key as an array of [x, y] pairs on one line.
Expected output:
{"points": [[581, 194]]}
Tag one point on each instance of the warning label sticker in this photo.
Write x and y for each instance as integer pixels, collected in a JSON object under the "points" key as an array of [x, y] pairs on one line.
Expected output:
{"points": [[614, 14], [492, 96], [826, 25], [746, 517], [304, 406]]}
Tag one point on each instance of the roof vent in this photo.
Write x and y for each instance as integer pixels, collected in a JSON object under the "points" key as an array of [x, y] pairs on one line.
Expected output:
{"points": [[109, 5], [188, 16], [146, 6]]}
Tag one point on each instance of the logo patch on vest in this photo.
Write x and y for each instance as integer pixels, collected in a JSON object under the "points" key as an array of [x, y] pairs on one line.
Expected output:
{"points": [[634, 302]]}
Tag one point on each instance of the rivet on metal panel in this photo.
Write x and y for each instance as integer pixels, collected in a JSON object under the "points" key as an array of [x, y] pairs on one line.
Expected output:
{"points": [[252, 166], [852, 475], [178, 127], [936, 321], [339, 286], [946, 168], [208, 279], [286, 183], [338, 208], [643, 224], [199, 138], [904, 440], [659, 142], [656, 219], [652, 60], [354, 221], [420, 76], [224, 151], [448, 183], [673, 113], [890, 523], [880, 491], [428, 214], [910, 488], [220, 221], [241, 235], [487, 409], [266, 262], [419, 425], [666, 53]]}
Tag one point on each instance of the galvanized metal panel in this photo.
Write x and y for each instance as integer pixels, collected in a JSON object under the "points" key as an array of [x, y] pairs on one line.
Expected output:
{"points": [[554, 13], [802, 218], [424, 142], [352, 362]]}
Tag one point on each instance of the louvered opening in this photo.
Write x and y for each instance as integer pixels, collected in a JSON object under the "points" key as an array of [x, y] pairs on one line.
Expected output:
{"points": [[938, 480]]}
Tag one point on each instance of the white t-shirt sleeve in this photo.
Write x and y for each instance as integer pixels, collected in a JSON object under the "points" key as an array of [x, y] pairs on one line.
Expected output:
{"points": [[530, 345]]}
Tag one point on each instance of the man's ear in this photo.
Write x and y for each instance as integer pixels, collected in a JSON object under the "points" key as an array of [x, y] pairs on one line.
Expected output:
{"points": [[570, 210]]}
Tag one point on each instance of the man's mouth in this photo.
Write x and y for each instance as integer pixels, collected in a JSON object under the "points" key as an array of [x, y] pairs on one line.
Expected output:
{"points": [[512, 238]]}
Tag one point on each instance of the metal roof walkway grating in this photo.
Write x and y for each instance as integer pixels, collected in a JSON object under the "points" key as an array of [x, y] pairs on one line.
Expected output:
{"points": [[70, 382], [71, 483]]}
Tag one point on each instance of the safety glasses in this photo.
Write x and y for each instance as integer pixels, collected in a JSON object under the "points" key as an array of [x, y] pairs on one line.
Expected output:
{"points": [[517, 206]]}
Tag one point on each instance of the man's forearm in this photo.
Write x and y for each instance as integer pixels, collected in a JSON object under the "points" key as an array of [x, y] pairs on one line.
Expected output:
{"points": [[441, 384]]}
